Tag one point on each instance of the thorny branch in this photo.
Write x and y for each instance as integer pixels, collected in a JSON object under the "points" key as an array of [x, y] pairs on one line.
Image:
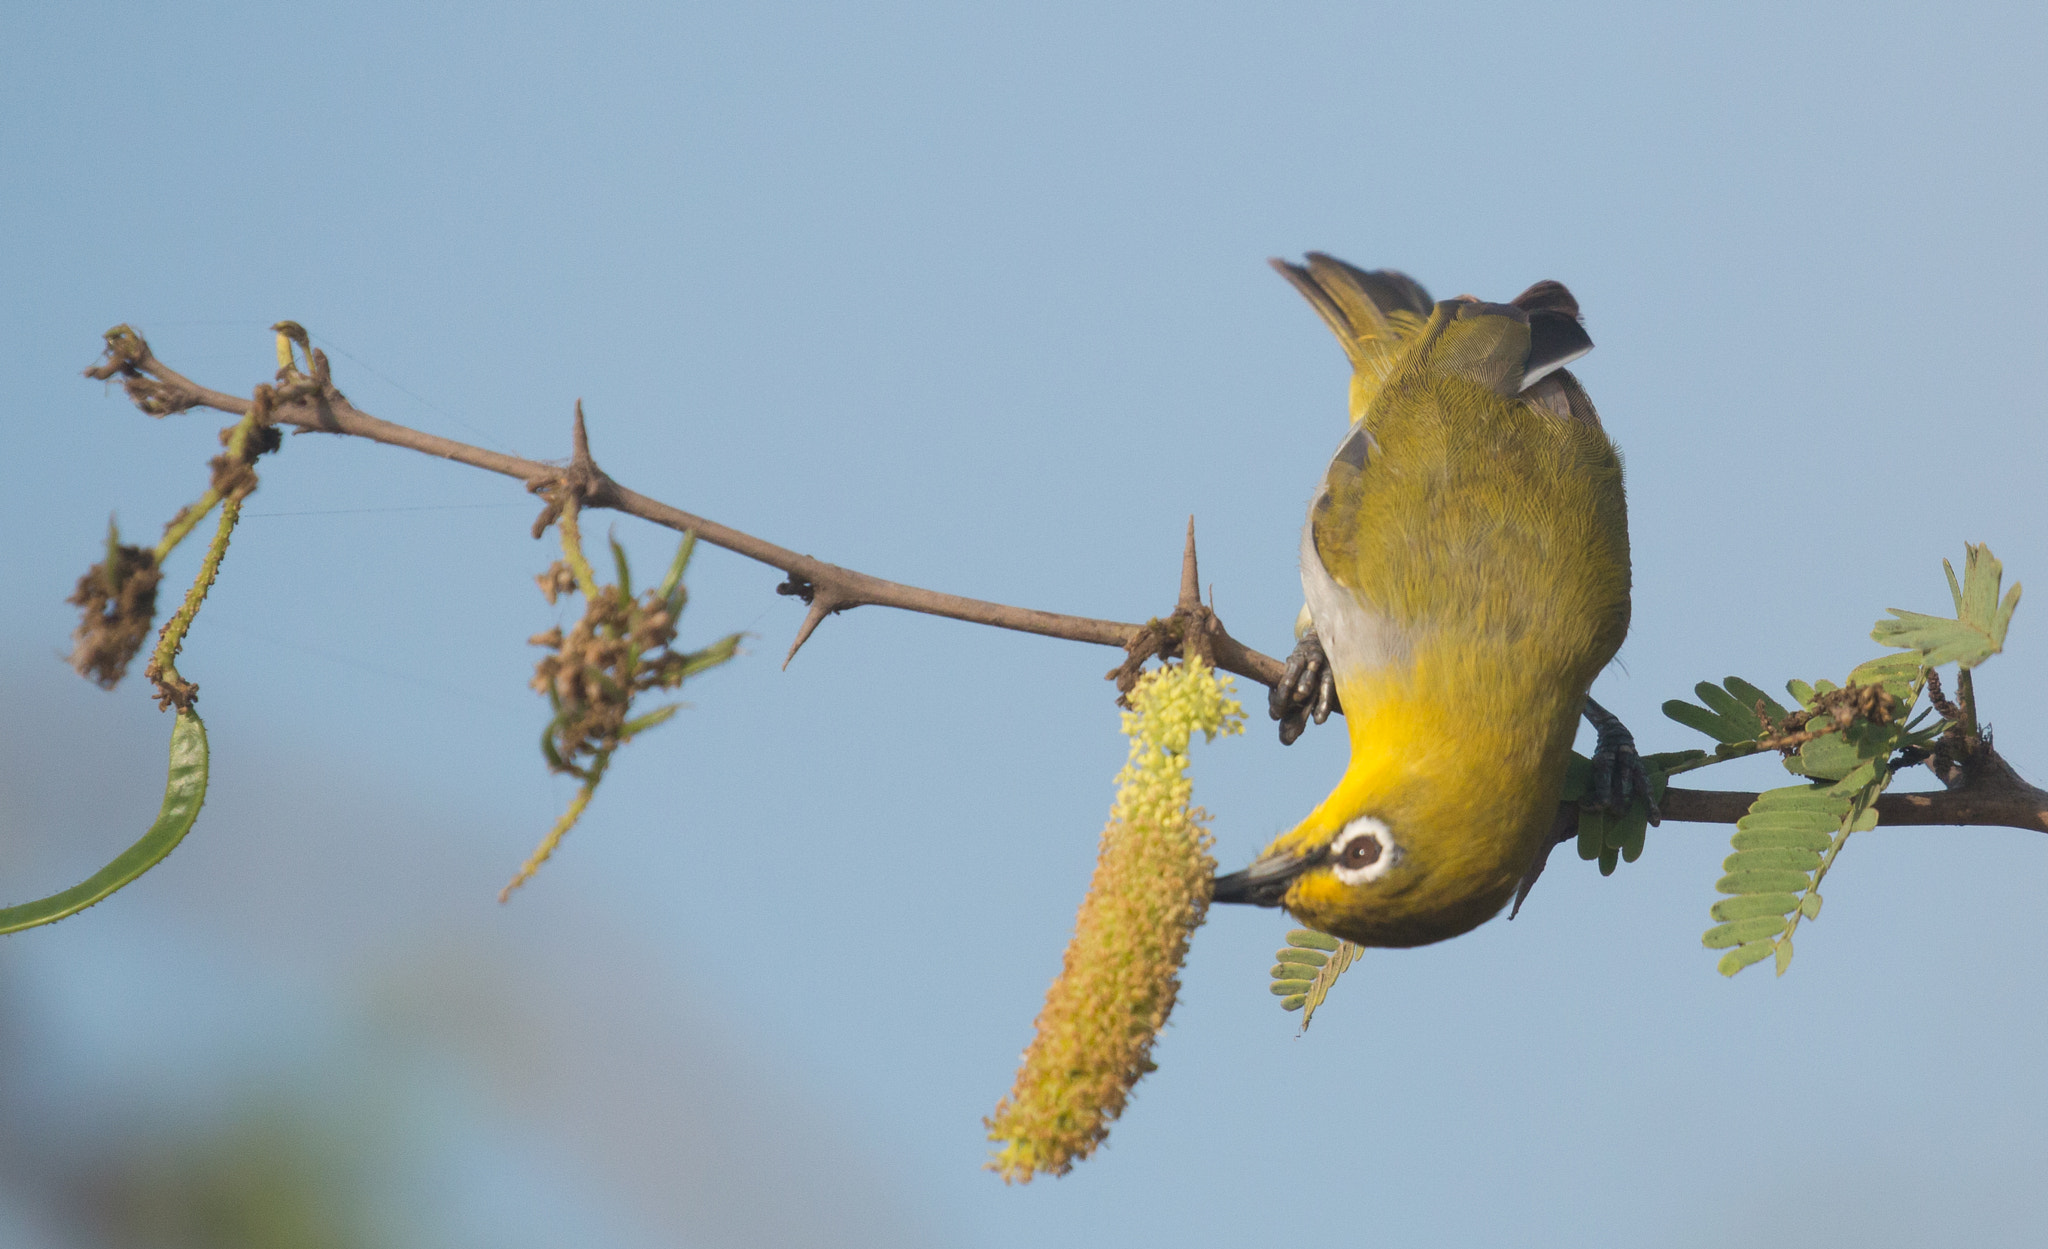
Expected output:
{"points": [[1982, 787], [826, 588]]}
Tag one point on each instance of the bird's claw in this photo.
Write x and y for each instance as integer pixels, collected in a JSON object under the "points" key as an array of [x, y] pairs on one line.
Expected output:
{"points": [[1307, 689], [1619, 777]]}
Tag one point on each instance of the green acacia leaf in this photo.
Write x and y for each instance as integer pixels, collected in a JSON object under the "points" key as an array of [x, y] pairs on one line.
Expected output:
{"points": [[1801, 798], [1874, 742], [1938, 640], [184, 794], [1898, 674], [1762, 882], [641, 724], [1627, 826], [1578, 778], [672, 583], [1979, 603], [625, 570], [2001, 619], [1748, 696], [1923, 737], [1778, 905], [1701, 719], [1319, 988], [1743, 931], [1666, 760], [1732, 710], [1592, 831], [1303, 986], [1809, 906], [1847, 790], [1784, 953], [711, 656], [1783, 838], [1798, 818], [1742, 956], [1693, 717], [1729, 699], [547, 746], [1977, 632], [1729, 711], [1828, 758], [1777, 859]]}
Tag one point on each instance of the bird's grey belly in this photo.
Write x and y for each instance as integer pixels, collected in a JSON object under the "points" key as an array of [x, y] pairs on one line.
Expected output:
{"points": [[1355, 637]]}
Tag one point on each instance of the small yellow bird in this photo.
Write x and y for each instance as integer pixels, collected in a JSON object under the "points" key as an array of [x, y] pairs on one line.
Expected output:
{"points": [[1466, 570]]}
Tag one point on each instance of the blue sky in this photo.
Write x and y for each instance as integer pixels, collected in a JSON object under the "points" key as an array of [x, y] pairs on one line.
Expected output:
{"points": [[975, 298]]}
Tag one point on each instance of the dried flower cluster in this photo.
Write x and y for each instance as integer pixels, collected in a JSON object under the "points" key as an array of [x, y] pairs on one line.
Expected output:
{"points": [[622, 647], [1833, 711], [117, 597], [1122, 972], [117, 604]]}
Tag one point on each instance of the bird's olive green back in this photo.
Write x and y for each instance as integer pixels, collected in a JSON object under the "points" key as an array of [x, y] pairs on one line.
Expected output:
{"points": [[1473, 509]]}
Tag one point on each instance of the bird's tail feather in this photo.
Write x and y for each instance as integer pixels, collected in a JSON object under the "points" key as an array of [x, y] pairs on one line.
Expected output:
{"points": [[1371, 311]]}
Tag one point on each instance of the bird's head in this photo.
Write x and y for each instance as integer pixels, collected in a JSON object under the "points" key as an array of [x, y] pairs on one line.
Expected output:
{"points": [[1412, 847]]}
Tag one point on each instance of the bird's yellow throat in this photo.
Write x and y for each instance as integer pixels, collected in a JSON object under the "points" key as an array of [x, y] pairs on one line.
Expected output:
{"points": [[1464, 764]]}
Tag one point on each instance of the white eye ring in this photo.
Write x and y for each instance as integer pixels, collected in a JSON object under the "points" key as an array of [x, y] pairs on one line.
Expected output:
{"points": [[1363, 851]]}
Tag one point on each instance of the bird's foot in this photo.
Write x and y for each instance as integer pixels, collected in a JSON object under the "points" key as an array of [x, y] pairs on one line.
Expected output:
{"points": [[1619, 778], [1307, 688]]}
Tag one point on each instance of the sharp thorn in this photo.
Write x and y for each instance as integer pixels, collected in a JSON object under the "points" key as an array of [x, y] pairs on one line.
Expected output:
{"points": [[1190, 579], [581, 444], [820, 609]]}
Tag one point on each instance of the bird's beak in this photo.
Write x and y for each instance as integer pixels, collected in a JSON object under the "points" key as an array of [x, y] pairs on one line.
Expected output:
{"points": [[1265, 882]]}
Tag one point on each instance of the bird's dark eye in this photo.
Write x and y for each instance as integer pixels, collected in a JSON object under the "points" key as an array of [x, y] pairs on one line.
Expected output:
{"points": [[1362, 852]]}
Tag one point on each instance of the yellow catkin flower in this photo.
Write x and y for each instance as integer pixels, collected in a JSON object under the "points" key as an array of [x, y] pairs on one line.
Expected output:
{"points": [[1150, 892]]}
